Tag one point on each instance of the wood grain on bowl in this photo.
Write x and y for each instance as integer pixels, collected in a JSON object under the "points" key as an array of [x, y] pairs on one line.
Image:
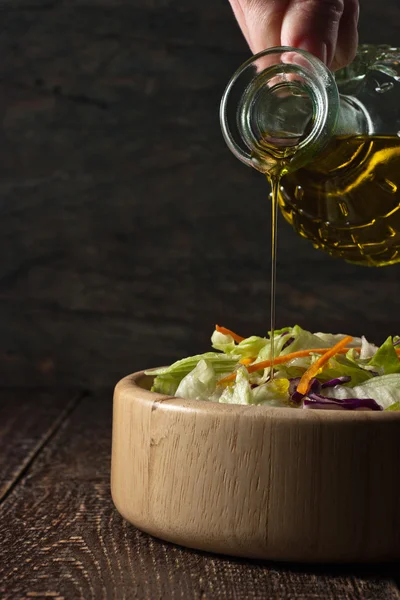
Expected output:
{"points": [[275, 483]]}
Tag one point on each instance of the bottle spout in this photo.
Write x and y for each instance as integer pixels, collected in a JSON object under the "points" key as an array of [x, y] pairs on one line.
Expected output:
{"points": [[281, 105], [280, 112]]}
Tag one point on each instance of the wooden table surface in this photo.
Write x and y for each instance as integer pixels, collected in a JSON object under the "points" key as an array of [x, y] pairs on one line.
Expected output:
{"points": [[61, 536], [127, 230]]}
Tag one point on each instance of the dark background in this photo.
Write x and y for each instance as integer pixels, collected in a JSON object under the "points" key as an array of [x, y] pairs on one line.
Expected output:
{"points": [[127, 231], [127, 227]]}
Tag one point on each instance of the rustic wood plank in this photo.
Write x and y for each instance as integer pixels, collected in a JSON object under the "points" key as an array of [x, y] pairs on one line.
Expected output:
{"points": [[62, 538], [28, 419]]}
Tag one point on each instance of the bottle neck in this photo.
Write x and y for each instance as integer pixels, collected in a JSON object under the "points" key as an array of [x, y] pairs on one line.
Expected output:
{"points": [[280, 109], [353, 117]]}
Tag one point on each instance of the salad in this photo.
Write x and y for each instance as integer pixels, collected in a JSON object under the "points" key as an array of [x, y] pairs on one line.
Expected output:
{"points": [[308, 370]]}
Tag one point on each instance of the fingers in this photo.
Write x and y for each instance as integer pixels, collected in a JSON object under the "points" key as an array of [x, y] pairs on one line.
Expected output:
{"points": [[313, 25], [240, 17], [260, 21], [325, 28], [264, 22], [347, 41]]}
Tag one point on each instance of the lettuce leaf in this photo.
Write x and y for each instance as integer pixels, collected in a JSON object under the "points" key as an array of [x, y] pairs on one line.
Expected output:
{"points": [[168, 379], [330, 339], [280, 340], [386, 358], [395, 406], [274, 393], [240, 393], [199, 384], [341, 366], [249, 347], [368, 350], [223, 342], [303, 340]]}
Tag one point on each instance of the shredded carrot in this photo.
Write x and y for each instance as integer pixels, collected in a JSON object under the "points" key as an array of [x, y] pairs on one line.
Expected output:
{"points": [[279, 360], [246, 361], [225, 331], [304, 384]]}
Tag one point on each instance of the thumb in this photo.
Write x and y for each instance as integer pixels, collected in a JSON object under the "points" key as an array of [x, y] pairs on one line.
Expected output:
{"points": [[313, 25]]}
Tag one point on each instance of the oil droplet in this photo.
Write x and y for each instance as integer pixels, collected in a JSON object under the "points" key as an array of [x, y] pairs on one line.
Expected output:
{"points": [[384, 87], [388, 186], [343, 208]]}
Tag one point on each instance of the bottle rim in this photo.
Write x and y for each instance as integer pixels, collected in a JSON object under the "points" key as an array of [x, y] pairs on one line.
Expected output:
{"points": [[324, 96]]}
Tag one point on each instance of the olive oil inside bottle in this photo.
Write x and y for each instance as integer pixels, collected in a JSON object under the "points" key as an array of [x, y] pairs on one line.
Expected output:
{"points": [[347, 200]]}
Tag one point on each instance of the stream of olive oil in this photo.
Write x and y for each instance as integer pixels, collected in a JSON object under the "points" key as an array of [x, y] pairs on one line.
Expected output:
{"points": [[274, 179], [274, 162]]}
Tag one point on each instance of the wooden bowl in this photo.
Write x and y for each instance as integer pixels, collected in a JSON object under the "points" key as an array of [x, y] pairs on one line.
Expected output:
{"points": [[271, 483]]}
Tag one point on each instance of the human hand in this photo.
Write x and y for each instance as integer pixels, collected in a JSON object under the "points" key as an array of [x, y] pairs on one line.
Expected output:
{"points": [[326, 28]]}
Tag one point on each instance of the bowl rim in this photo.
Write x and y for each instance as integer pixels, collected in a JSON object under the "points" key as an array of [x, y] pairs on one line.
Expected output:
{"points": [[130, 385]]}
